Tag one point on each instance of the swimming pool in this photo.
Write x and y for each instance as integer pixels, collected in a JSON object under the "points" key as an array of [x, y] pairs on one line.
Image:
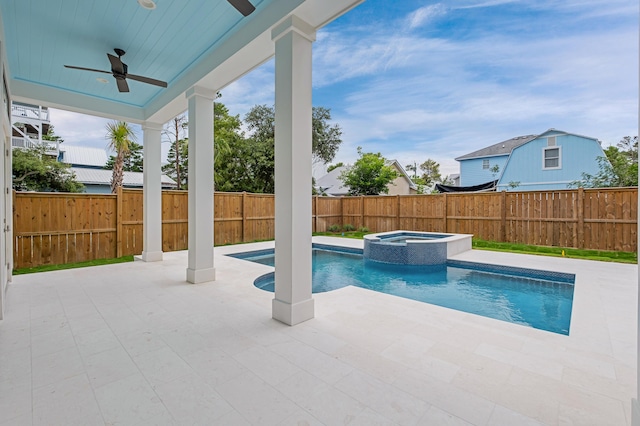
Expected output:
{"points": [[538, 299]]}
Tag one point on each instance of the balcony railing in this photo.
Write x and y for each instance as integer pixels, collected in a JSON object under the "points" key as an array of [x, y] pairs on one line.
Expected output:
{"points": [[18, 142], [29, 111]]}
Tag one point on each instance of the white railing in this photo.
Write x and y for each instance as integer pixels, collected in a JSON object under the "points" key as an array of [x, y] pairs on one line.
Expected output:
{"points": [[26, 143], [29, 111]]}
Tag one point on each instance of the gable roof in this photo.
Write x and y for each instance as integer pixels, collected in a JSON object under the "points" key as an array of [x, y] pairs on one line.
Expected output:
{"points": [[501, 148], [330, 184], [103, 177], [83, 156]]}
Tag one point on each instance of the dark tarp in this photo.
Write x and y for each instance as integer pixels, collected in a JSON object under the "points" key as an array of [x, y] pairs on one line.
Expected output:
{"points": [[483, 187]]}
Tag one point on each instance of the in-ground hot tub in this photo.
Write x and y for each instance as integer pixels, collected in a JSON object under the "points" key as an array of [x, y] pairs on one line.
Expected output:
{"points": [[414, 248]]}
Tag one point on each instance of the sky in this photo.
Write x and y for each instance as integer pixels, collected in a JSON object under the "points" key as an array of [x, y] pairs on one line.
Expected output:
{"points": [[415, 80]]}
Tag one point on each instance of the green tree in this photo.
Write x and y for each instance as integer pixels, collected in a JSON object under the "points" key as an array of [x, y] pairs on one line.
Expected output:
{"points": [[326, 139], [248, 165], [178, 163], [133, 159], [430, 172], [34, 170], [120, 136], [334, 166], [619, 167], [369, 175], [175, 132]]}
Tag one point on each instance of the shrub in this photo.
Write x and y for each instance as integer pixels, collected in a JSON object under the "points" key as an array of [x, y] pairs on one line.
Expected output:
{"points": [[363, 229], [349, 227], [334, 228]]}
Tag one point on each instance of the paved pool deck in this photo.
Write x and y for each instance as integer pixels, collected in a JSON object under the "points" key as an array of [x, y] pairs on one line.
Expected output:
{"points": [[134, 344]]}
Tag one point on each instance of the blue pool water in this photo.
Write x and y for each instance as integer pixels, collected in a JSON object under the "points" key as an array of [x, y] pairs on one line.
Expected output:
{"points": [[538, 299]]}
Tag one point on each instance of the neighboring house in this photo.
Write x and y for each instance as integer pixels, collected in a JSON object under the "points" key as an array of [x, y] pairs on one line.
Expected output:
{"points": [[551, 160], [455, 179], [87, 164], [331, 185]]}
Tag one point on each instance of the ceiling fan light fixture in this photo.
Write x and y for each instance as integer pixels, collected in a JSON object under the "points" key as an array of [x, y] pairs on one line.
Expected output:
{"points": [[102, 80], [147, 4]]}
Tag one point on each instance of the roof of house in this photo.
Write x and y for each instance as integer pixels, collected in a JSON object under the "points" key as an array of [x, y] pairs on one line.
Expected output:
{"points": [[330, 184], [103, 177], [83, 156], [501, 148]]}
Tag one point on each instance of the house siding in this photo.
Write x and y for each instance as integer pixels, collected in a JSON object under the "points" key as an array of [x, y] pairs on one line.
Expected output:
{"points": [[578, 155], [472, 173]]}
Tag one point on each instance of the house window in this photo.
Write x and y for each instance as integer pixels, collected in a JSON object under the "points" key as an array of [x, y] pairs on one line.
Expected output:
{"points": [[485, 164], [551, 158]]}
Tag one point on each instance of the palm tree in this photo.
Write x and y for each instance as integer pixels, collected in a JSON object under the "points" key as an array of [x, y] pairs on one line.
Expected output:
{"points": [[120, 136]]}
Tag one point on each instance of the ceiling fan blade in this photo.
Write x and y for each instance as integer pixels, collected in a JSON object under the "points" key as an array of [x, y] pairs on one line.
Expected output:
{"points": [[116, 64], [147, 80], [87, 69], [243, 6], [122, 84]]}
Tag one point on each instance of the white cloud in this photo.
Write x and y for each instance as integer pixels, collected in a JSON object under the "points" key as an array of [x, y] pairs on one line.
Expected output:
{"points": [[425, 14]]}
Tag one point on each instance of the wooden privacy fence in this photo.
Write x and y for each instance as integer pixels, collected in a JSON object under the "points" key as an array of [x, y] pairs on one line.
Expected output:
{"points": [[55, 228]]}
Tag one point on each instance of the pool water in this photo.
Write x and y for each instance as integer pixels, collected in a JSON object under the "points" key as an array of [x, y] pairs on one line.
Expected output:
{"points": [[517, 296]]}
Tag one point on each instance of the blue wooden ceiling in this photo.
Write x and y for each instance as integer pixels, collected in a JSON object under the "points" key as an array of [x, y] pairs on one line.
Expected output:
{"points": [[44, 35]]}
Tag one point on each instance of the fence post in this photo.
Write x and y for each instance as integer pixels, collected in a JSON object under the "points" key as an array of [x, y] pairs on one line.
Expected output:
{"points": [[398, 213], [444, 212], [315, 213], [362, 210], [244, 215], [580, 230], [119, 222], [503, 217]]}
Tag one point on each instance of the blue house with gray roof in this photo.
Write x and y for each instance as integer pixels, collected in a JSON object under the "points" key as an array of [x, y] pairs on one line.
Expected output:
{"points": [[548, 161]]}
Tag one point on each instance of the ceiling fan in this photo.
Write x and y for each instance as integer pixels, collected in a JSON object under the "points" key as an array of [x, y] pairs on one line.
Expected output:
{"points": [[119, 70], [243, 6]]}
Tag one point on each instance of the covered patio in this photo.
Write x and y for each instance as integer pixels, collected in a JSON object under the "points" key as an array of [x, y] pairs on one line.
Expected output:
{"points": [[138, 344], [133, 344]]}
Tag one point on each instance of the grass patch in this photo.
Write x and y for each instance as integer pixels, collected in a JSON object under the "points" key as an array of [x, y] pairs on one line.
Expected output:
{"points": [[606, 256], [347, 234], [47, 268]]}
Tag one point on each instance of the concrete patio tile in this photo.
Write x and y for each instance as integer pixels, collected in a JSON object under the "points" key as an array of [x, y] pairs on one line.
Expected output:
{"points": [[67, 402], [368, 417], [436, 416], [266, 364], [48, 323], [527, 362], [458, 402], [589, 408], [301, 387], [141, 342], [215, 366], [333, 407], [129, 401], [595, 383], [162, 366], [87, 323], [232, 418], [192, 400], [301, 417], [108, 366], [392, 403], [15, 398], [15, 338], [23, 420], [258, 402], [502, 416], [371, 363], [316, 338], [15, 365], [44, 344], [313, 361], [52, 368], [96, 341], [532, 395]]}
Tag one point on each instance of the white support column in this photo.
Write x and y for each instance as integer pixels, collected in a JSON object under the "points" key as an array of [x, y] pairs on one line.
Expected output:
{"points": [[200, 185], [293, 303], [152, 193]]}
